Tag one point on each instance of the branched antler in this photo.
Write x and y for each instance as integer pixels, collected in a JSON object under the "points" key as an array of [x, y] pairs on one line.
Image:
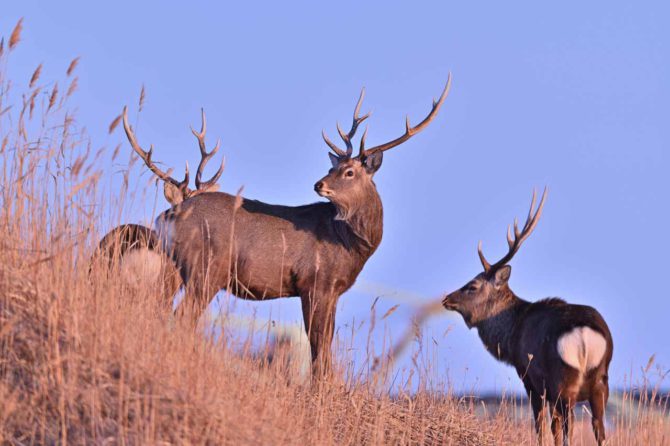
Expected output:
{"points": [[205, 156], [347, 137], [409, 130], [146, 157], [182, 186], [514, 243]]}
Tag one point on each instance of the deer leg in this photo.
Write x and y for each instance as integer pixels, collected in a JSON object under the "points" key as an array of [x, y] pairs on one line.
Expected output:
{"points": [[598, 402], [557, 420], [565, 407], [319, 316], [539, 410], [568, 425]]}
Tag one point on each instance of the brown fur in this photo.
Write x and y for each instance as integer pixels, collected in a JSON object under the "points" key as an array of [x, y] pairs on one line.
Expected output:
{"points": [[261, 251]]}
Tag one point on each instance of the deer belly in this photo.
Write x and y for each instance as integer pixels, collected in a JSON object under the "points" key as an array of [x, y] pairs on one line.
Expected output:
{"points": [[582, 348], [255, 280]]}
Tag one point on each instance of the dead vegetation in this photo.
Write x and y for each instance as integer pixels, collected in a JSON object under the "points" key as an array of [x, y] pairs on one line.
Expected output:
{"points": [[84, 360]]}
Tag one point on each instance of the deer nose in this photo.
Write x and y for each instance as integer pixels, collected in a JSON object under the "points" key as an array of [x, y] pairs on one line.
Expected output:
{"points": [[318, 186]]}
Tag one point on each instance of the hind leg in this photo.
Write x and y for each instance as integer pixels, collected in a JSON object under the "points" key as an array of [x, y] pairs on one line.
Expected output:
{"points": [[565, 409], [557, 422], [562, 420], [565, 406], [568, 425], [598, 402]]}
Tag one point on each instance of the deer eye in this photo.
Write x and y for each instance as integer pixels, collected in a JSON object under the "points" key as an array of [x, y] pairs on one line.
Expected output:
{"points": [[349, 173], [472, 287]]}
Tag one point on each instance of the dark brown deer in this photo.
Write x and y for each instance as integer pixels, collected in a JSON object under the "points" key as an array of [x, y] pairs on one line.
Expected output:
{"points": [[560, 351], [262, 251]]}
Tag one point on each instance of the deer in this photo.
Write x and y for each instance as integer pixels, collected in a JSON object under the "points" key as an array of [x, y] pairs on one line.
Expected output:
{"points": [[260, 251], [136, 251], [560, 351]]}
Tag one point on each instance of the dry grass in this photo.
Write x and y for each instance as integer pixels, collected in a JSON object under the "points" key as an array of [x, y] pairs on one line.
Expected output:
{"points": [[85, 360]]}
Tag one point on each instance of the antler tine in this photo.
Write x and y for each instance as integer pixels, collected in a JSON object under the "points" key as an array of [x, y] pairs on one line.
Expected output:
{"points": [[411, 131], [538, 212], [347, 137], [332, 146], [146, 157], [344, 137], [361, 148], [205, 185], [205, 156], [485, 263], [515, 242], [530, 218], [510, 240]]}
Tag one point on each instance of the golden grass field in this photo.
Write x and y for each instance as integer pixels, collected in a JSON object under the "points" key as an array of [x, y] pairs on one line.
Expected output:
{"points": [[87, 360]]}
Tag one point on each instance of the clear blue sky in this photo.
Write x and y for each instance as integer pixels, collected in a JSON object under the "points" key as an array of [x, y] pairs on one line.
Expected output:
{"points": [[572, 95]]}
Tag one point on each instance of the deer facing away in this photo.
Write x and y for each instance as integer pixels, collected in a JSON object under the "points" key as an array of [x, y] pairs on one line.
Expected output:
{"points": [[260, 251], [560, 351]]}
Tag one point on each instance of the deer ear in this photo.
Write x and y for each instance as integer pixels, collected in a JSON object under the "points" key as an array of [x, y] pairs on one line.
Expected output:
{"points": [[173, 195], [373, 162], [334, 159], [502, 276]]}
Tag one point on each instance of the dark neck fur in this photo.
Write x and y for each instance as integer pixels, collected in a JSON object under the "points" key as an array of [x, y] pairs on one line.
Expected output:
{"points": [[496, 330]]}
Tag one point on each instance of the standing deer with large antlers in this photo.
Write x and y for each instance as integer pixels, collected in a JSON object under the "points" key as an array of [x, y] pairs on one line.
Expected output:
{"points": [[263, 251], [560, 351]]}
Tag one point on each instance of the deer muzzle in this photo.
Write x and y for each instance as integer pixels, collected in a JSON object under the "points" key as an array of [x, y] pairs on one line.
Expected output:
{"points": [[321, 189], [448, 304]]}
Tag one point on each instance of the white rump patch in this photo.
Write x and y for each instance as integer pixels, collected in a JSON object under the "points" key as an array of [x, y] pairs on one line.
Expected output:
{"points": [[582, 348], [142, 268]]}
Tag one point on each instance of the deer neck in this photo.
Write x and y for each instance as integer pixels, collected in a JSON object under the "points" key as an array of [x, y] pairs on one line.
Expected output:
{"points": [[495, 328], [362, 224]]}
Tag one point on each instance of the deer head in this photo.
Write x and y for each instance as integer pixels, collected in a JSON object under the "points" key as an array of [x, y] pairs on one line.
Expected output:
{"points": [[349, 181], [177, 191], [488, 292]]}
